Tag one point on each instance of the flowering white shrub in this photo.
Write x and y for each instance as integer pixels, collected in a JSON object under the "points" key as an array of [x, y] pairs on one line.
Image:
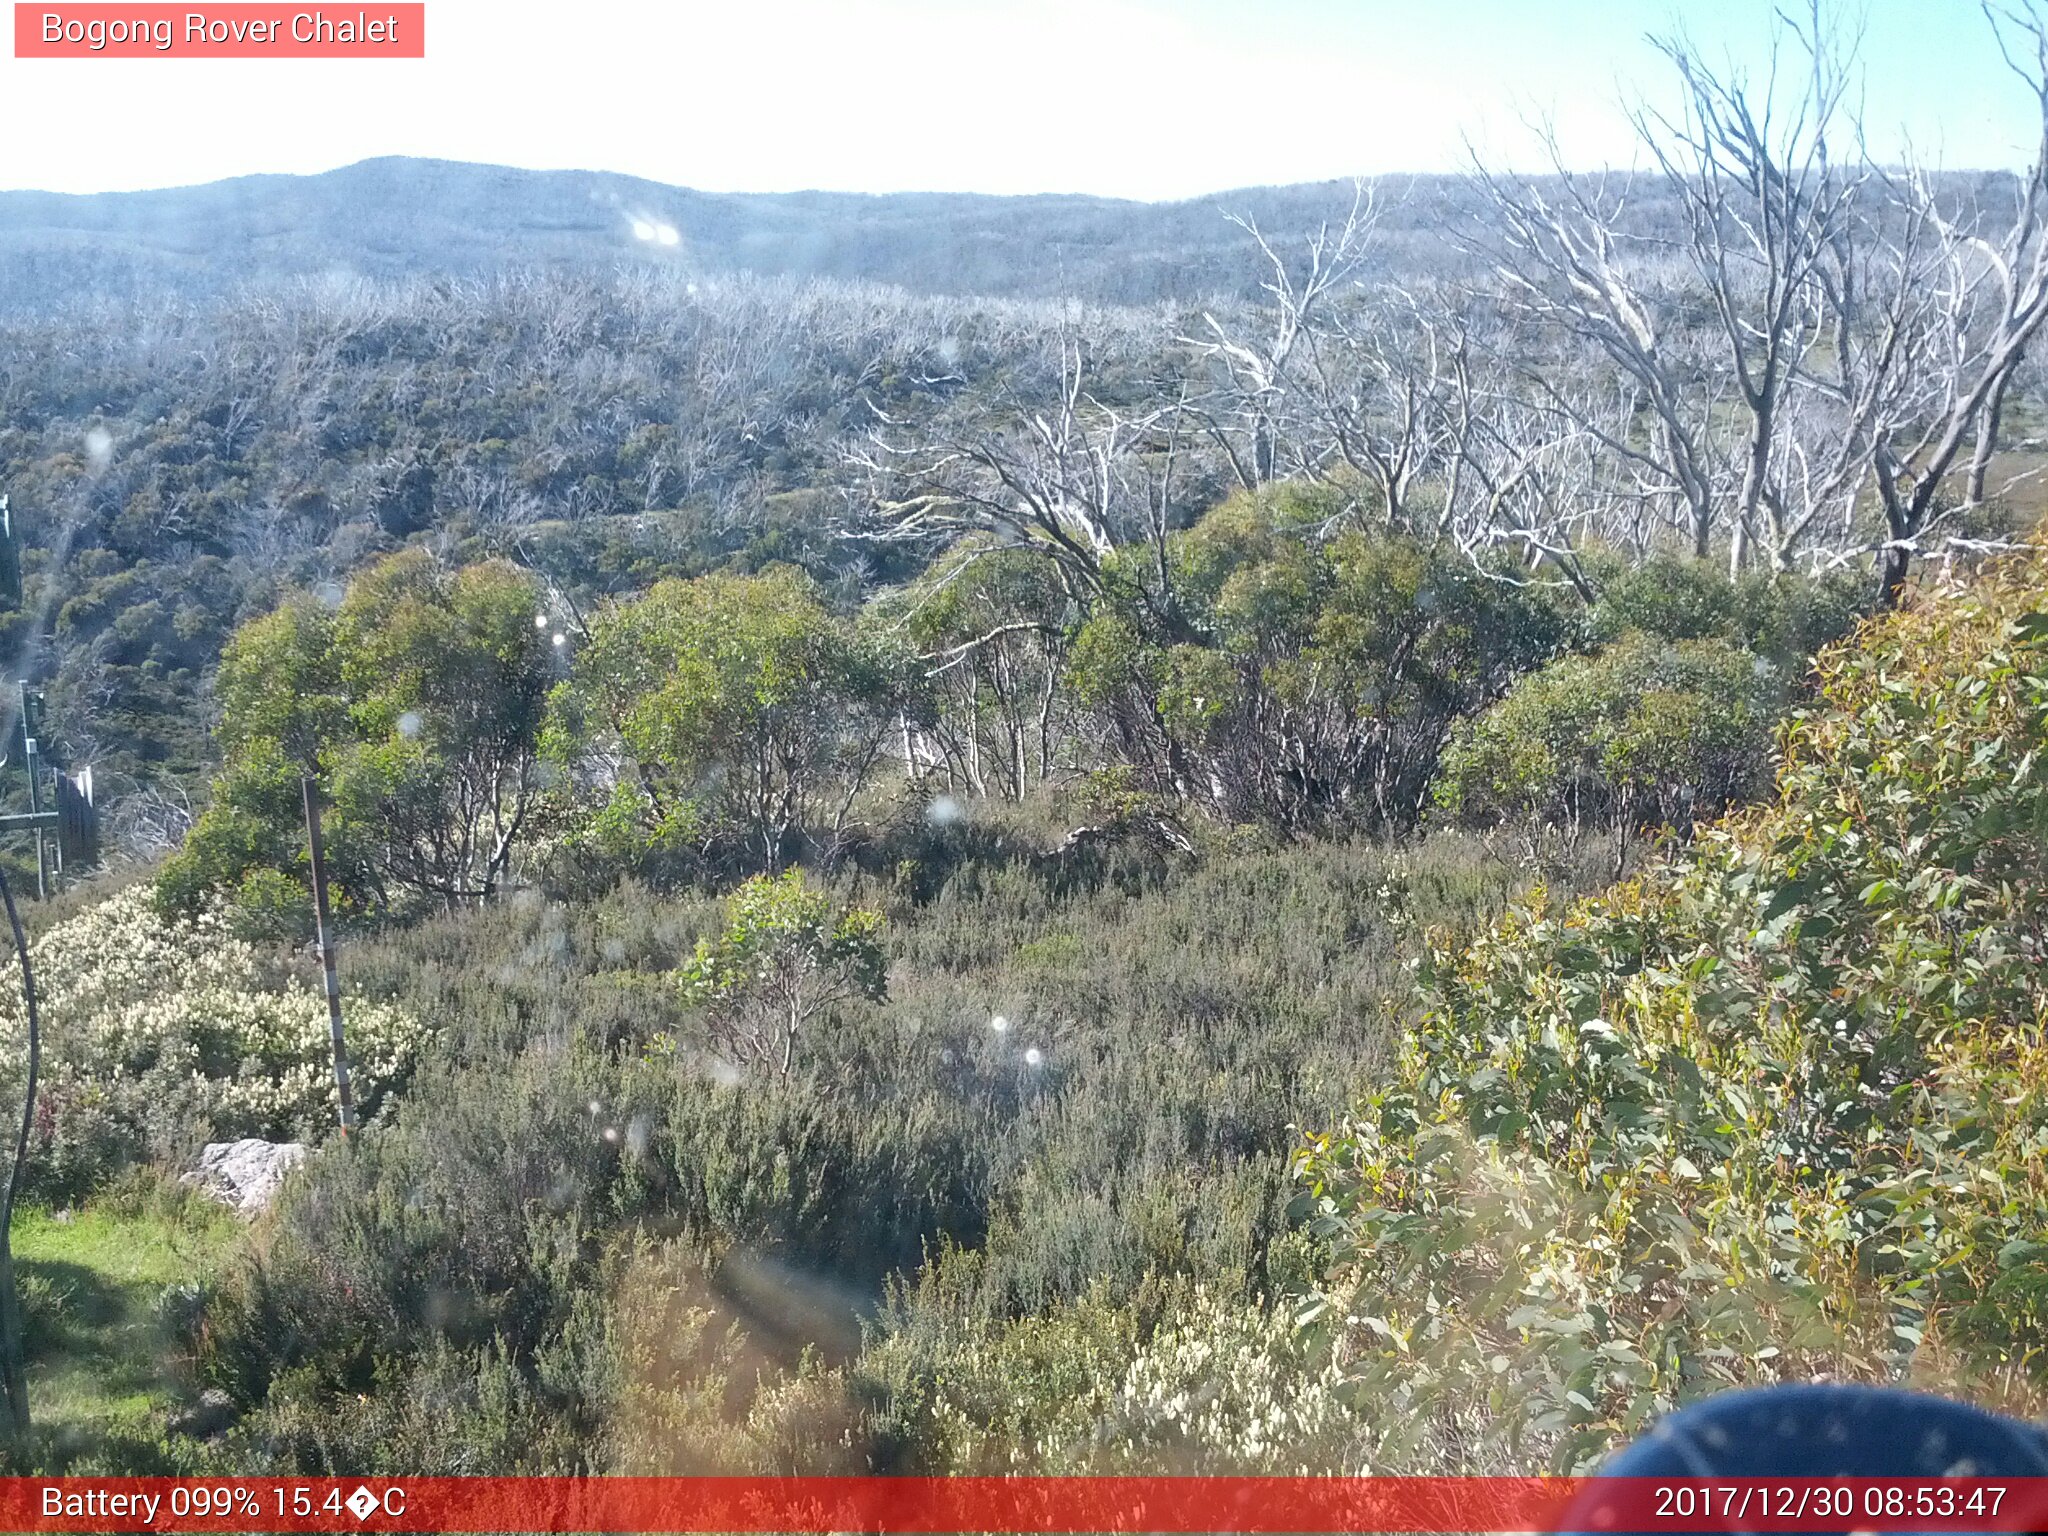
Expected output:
{"points": [[1226, 1385], [163, 1032], [1221, 1385]]}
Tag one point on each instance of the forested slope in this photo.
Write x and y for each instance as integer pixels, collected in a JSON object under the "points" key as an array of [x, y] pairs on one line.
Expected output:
{"points": [[172, 473]]}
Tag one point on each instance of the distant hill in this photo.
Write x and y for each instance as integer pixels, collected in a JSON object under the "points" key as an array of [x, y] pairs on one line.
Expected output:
{"points": [[400, 217]]}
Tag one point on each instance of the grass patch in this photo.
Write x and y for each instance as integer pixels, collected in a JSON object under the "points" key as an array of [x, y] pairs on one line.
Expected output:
{"points": [[104, 1291]]}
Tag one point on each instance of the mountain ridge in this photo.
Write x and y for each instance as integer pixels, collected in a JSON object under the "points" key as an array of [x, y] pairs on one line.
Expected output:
{"points": [[398, 217]]}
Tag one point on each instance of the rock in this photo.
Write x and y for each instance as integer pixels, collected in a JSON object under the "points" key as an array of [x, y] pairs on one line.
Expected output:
{"points": [[246, 1174]]}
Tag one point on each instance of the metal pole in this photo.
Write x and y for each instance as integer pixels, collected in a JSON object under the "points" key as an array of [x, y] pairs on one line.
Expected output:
{"points": [[323, 928], [35, 799], [12, 1369]]}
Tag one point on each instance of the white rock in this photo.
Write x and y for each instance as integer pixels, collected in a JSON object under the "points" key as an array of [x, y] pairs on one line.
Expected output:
{"points": [[246, 1174]]}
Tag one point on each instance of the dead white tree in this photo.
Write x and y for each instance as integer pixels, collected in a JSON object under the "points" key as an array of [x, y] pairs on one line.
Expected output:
{"points": [[1420, 396], [1061, 476], [1990, 302], [1835, 342], [1527, 478], [1380, 394], [1562, 254], [1765, 204], [1245, 411]]}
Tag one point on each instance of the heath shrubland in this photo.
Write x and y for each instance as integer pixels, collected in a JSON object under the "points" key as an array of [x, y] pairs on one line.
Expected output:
{"points": [[1771, 1106], [160, 1034]]}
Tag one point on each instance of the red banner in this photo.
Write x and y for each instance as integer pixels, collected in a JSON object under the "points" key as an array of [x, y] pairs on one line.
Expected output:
{"points": [[226, 31], [1053, 1505]]}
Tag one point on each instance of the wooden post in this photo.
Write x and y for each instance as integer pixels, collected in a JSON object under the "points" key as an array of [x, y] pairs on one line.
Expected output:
{"points": [[323, 929]]}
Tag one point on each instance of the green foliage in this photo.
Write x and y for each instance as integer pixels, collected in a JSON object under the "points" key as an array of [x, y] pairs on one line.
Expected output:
{"points": [[1647, 731], [280, 685], [134, 640], [1782, 617], [1162, 1028], [743, 709], [787, 957], [416, 705], [993, 627], [1177, 1377], [1669, 721], [1312, 680], [1775, 1109]]}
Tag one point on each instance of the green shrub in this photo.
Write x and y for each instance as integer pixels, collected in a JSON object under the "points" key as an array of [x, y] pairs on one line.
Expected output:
{"points": [[1178, 1377], [1783, 617], [733, 709], [994, 626], [1305, 680], [786, 959], [1775, 1109], [1646, 732], [1184, 1018]]}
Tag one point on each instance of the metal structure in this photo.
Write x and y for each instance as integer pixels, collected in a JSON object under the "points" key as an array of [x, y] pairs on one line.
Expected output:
{"points": [[60, 805], [67, 830], [10, 557]]}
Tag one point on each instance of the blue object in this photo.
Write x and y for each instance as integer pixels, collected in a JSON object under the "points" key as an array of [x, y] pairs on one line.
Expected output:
{"points": [[1834, 1431], [1825, 1431]]}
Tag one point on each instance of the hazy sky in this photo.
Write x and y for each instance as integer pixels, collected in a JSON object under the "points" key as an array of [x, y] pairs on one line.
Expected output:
{"points": [[1136, 98]]}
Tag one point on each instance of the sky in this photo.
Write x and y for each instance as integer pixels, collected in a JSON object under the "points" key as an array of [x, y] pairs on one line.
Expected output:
{"points": [[1131, 98]]}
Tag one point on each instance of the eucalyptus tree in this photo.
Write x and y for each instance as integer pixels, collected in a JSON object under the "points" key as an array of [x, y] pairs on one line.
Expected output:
{"points": [[414, 704], [729, 709], [992, 630]]}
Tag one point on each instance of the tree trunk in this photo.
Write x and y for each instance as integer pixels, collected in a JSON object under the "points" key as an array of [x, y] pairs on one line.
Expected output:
{"points": [[1893, 566], [1987, 441]]}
